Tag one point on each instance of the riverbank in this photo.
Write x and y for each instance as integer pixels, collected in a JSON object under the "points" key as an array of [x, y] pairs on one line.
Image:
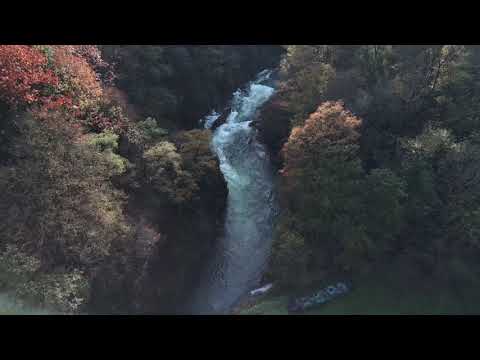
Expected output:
{"points": [[384, 293]]}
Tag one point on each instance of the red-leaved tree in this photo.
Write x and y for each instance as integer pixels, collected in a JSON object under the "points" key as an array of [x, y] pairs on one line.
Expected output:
{"points": [[24, 76]]}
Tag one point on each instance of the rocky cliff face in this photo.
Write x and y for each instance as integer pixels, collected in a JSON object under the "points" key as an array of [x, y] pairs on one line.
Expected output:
{"points": [[273, 124]]}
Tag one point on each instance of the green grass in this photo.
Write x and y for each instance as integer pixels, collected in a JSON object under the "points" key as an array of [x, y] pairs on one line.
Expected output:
{"points": [[374, 301], [389, 293], [268, 306]]}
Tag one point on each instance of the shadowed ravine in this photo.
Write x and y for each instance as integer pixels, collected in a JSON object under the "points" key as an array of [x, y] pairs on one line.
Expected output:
{"points": [[241, 255]]}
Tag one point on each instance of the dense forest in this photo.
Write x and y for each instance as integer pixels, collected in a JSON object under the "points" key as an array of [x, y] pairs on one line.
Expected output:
{"points": [[113, 199], [376, 147]]}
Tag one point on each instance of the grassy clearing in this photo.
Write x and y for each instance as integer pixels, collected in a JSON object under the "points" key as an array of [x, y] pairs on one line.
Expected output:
{"points": [[389, 293]]}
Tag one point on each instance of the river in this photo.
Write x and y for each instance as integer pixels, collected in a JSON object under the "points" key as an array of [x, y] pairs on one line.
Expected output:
{"points": [[241, 255]]}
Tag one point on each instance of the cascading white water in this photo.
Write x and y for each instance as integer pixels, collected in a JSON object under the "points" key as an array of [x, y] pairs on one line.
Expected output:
{"points": [[242, 253]]}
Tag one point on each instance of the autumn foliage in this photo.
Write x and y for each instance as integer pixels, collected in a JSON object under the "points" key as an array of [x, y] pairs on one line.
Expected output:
{"points": [[329, 222], [93, 56], [65, 79], [24, 76], [79, 80], [332, 126]]}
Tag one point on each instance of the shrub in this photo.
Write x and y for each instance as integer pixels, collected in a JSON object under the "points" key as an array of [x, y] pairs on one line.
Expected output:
{"points": [[165, 173], [150, 131], [66, 292], [107, 143]]}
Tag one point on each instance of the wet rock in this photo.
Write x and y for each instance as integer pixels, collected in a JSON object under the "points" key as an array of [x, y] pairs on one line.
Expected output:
{"points": [[221, 119], [273, 124]]}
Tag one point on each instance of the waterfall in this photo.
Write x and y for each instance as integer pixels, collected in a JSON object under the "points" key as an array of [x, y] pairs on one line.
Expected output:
{"points": [[242, 253]]}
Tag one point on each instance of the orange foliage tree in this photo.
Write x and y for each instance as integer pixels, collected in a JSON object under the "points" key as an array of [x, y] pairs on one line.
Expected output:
{"points": [[78, 79], [322, 189], [76, 66], [24, 76], [61, 79], [331, 130]]}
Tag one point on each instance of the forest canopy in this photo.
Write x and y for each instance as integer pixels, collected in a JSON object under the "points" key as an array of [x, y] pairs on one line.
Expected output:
{"points": [[113, 199], [377, 159]]}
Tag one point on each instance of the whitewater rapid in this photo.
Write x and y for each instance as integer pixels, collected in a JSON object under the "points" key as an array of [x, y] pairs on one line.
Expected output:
{"points": [[242, 253]]}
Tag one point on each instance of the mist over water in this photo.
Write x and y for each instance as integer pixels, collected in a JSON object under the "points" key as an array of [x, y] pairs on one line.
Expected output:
{"points": [[10, 306], [242, 253]]}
